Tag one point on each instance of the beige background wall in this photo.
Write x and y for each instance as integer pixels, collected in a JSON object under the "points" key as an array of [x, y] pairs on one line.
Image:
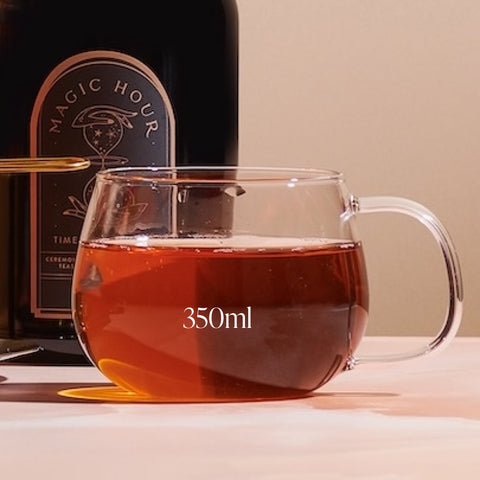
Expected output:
{"points": [[388, 91]]}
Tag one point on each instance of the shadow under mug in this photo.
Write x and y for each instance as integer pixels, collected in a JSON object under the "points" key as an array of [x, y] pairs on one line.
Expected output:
{"points": [[235, 283]]}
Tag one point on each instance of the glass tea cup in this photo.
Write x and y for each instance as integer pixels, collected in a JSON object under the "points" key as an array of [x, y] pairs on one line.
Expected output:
{"points": [[231, 283]]}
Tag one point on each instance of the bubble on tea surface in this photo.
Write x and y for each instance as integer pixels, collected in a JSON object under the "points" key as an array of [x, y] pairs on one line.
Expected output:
{"points": [[235, 191], [182, 195]]}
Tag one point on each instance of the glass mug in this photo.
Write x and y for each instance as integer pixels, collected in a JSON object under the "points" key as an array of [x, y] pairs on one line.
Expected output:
{"points": [[231, 283]]}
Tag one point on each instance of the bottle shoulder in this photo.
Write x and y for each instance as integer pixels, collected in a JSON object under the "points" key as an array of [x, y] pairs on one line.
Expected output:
{"points": [[55, 24], [36, 35]]}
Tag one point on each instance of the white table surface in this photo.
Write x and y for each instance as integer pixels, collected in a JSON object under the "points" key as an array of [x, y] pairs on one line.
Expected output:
{"points": [[418, 419]]}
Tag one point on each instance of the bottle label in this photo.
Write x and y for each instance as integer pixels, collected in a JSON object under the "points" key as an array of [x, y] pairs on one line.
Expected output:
{"points": [[111, 109]]}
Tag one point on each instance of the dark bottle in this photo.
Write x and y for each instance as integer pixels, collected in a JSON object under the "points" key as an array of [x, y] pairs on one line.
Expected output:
{"points": [[119, 85]]}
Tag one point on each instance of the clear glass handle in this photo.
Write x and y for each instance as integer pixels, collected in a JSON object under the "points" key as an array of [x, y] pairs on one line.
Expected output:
{"points": [[455, 307]]}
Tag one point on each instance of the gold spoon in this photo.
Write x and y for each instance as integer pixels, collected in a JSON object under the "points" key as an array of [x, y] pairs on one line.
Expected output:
{"points": [[10, 349], [45, 164]]}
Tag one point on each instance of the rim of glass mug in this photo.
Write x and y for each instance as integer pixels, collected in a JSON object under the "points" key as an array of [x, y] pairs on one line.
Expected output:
{"points": [[245, 174]]}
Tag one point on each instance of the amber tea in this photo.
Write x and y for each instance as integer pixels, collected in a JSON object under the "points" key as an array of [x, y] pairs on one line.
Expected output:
{"points": [[239, 318]]}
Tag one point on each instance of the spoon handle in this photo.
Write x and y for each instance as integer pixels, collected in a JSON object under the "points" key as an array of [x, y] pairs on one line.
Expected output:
{"points": [[46, 164], [10, 349]]}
